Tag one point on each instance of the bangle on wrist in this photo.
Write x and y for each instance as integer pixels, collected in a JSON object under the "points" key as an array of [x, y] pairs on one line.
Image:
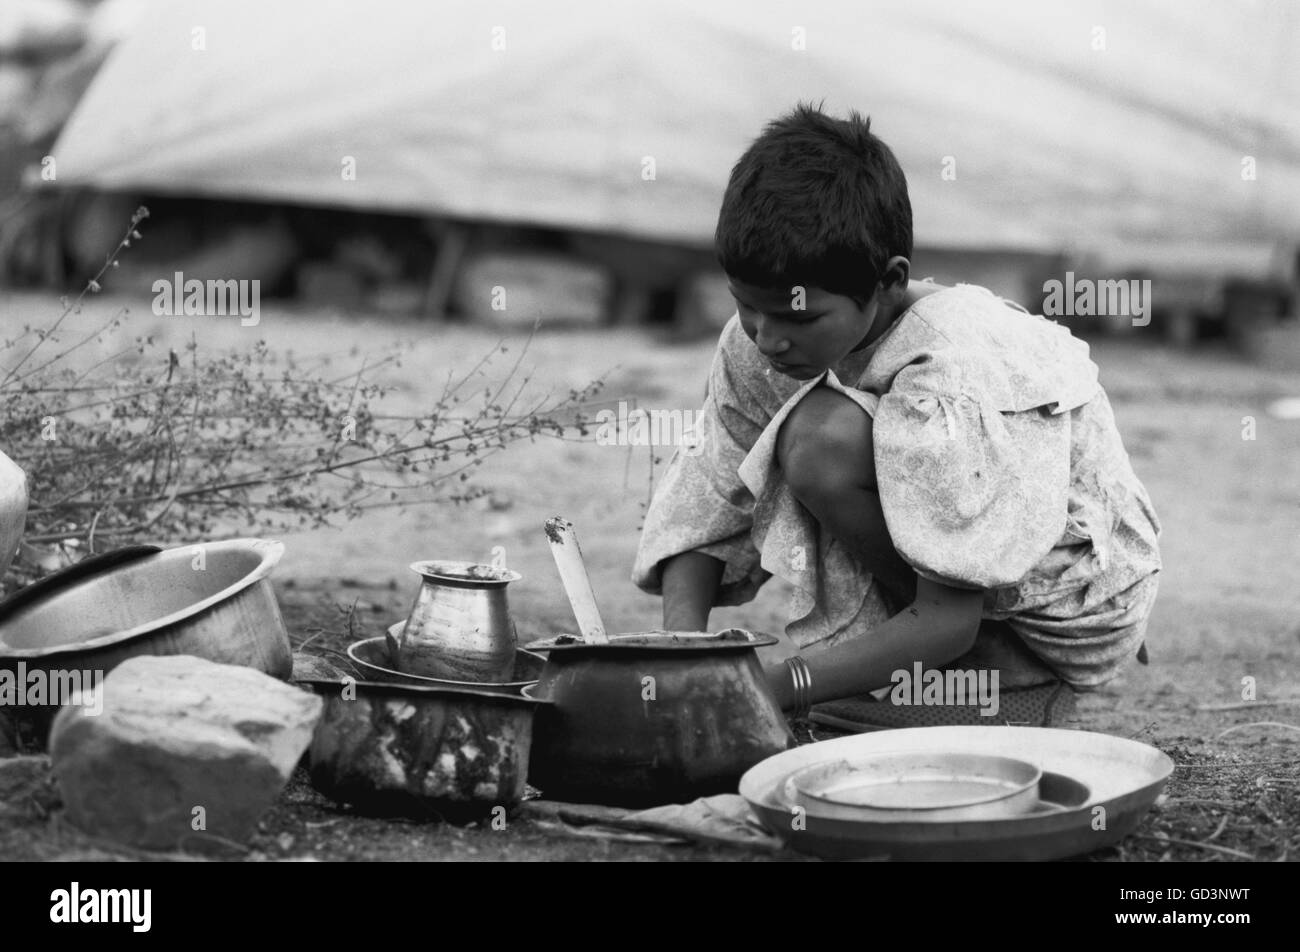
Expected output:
{"points": [[801, 679]]}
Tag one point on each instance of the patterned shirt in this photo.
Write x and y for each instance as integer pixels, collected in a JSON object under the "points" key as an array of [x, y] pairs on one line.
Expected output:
{"points": [[999, 467]]}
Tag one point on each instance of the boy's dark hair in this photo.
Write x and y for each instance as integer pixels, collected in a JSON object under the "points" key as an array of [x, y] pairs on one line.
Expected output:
{"points": [[815, 201]]}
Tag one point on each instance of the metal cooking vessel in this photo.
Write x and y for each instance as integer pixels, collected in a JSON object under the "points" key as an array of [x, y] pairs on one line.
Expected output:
{"points": [[651, 718], [392, 749], [213, 600], [459, 628]]}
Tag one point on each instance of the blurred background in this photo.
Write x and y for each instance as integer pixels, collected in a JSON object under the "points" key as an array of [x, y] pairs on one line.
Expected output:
{"points": [[510, 201], [401, 157], [382, 168]]}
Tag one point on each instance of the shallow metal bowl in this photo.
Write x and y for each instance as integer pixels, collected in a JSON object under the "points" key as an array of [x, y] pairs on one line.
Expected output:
{"points": [[917, 785]]}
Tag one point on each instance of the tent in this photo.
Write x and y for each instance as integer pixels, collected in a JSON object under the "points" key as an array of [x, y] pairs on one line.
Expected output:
{"points": [[1159, 127]]}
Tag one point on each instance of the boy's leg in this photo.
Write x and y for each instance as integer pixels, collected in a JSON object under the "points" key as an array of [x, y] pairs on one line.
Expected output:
{"points": [[827, 456]]}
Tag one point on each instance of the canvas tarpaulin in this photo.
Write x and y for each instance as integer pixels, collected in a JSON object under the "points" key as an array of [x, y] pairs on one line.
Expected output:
{"points": [[1081, 125]]}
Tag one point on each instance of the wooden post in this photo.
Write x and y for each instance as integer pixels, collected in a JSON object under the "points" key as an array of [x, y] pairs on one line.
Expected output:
{"points": [[452, 239]]}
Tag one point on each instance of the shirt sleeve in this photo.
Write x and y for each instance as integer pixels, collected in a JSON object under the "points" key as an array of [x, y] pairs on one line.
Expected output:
{"points": [[701, 504], [975, 494]]}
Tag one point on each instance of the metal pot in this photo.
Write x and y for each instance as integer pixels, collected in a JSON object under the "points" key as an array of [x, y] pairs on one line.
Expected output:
{"points": [[213, 600], [651, 718], [393, 749], [459, 628]]}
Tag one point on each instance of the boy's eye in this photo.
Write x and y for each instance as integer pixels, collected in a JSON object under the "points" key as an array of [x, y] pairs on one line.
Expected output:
{"points": [[789, 317]]}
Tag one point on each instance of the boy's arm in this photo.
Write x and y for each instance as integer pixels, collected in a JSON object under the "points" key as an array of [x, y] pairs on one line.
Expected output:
{"points": [[940, 625], [690, 586], [695, 547]]}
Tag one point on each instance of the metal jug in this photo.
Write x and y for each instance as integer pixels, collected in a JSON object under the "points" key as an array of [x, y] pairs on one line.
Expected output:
{"points": [[459, 628]]}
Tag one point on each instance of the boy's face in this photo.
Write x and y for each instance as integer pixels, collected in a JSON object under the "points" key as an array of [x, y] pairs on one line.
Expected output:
{"points": [[803, 334]]}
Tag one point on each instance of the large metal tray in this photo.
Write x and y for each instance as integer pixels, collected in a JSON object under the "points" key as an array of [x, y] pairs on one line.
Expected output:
{"points": [[1124, 778]]}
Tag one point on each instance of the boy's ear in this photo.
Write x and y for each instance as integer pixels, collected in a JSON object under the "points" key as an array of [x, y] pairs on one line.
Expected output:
{"points": [[893, 281], [896, 274]]}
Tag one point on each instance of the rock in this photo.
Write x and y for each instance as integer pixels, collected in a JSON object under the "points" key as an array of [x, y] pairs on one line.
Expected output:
{"points": [[514, 289], [26, 788], [186, 754]]}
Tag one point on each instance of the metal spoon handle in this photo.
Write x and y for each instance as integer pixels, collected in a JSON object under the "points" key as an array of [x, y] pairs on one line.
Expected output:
{"points": [[573, 574]]}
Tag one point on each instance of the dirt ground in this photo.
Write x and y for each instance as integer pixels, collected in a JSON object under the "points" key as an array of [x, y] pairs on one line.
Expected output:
{"points": [[1228, 610]]}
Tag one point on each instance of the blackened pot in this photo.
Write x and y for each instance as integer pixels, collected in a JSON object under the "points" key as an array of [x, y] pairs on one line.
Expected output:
{"points": [[449, 753], [652, 718]]}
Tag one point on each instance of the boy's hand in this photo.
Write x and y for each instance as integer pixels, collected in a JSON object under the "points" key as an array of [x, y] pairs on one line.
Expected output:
{"points": [[690, 585]]}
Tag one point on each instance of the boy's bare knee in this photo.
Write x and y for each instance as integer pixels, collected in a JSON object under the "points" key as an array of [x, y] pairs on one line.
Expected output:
{"points": [[825, 448]]}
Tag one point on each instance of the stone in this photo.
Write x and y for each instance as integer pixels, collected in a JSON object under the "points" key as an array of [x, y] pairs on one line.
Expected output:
{"points": [[187, 753], [513, 289]]}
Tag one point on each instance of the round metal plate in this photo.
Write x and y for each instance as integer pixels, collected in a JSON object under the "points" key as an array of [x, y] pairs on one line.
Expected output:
{"points": [[1124, 778]]}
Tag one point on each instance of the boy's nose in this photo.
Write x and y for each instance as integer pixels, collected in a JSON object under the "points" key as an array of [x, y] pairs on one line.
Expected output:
{"points": [[768, 340]]}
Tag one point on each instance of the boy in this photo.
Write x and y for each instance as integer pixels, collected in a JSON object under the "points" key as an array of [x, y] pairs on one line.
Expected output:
{"points": [[936, 472]]}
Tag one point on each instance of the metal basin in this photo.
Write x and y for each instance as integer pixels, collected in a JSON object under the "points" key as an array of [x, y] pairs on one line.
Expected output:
{"points": [[396, 749], [214, 601], [654, 717]]}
